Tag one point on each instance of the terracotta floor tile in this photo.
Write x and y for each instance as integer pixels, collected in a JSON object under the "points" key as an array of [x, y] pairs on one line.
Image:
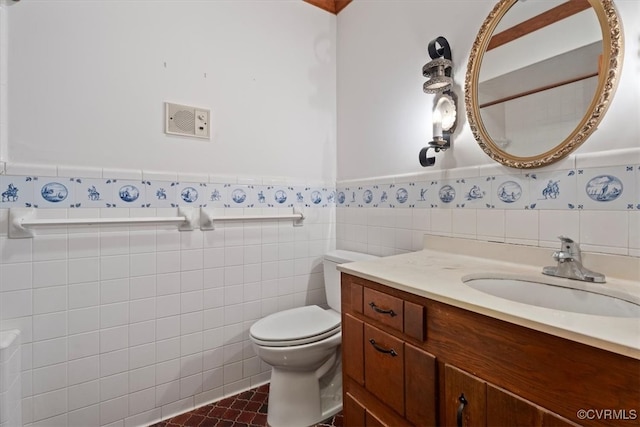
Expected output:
{"points": [[246, 409]]}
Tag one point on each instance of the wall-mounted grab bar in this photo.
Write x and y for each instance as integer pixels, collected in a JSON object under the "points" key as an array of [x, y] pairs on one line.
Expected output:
{"points": [[207, 221], [21, 221]]}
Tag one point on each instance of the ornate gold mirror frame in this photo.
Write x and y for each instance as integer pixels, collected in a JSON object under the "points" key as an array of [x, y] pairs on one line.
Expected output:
{"points": [[612, 55]]}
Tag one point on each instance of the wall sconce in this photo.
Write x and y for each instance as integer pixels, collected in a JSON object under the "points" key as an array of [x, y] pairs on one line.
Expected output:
{"points": [[438, 70], [439, 81]]}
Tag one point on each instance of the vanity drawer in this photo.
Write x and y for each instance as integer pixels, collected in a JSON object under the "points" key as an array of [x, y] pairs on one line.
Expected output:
{"points": [[384, 308], [384, 367]]}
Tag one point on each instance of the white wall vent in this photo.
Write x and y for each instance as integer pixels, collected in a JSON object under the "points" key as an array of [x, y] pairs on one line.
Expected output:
{"points": [[186, 121]]}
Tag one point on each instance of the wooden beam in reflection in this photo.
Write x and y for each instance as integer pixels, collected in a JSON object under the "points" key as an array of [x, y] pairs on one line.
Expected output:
{"points": [[333, 6], [536, 90], [549, 17]]}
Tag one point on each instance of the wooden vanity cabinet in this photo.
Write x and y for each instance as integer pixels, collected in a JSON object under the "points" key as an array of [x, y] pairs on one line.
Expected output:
{"points": [[471, 401], [411, 361]]}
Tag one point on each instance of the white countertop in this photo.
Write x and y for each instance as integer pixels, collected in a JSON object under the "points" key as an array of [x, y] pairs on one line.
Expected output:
{"points": [[438, 275]]}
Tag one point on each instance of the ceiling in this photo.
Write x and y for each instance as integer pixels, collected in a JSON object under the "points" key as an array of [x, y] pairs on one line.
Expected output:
{"points": [[333, 6]]}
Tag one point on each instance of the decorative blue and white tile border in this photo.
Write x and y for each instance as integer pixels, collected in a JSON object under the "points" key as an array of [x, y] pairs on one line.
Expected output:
{"points": [[613, 188], [61, 192], [608, 188]]}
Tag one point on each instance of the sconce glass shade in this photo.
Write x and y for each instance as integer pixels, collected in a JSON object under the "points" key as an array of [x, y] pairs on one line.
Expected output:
{"points": [[437, 76]]}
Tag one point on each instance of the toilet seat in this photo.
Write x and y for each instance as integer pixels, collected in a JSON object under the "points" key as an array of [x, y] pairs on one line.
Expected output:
{"points": [[297, 326]]}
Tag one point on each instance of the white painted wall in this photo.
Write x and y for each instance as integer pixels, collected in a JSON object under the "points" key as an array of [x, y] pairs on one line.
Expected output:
{"points": [[383, 115], [89, 79], [123, 327]]}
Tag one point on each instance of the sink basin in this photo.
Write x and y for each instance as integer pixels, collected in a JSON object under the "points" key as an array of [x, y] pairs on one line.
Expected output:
{"points": [[556, 297]]}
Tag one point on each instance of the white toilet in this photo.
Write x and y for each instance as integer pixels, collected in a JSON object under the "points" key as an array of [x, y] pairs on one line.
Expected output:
{"points": [[303, 347]]}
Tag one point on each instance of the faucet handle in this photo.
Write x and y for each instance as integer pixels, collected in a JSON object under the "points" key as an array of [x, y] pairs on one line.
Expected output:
{"points": [[565, 239], [569, 247]]}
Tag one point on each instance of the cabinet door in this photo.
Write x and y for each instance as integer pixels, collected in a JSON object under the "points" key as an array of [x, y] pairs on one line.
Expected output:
{"points": [[465, 399], [550, 419], [353, 411], [419, 386], [384, 367], [507, 409], [352, 348]]}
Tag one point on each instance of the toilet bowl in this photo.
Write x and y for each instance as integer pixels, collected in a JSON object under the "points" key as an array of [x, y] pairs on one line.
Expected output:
{"points": [[302, 345]]}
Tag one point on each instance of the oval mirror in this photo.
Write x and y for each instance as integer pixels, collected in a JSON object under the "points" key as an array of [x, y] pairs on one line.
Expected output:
{"points": [[540, 77]]}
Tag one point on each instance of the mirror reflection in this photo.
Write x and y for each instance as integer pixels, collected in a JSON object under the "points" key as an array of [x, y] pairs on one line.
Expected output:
{"points": [[541, 76]]}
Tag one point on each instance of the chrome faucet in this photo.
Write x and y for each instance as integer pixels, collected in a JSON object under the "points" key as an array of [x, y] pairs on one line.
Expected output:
{"points": [[570, 263]]}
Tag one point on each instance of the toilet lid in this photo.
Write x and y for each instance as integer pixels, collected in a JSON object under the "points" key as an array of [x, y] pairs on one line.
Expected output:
{"points": [[296, 326]]}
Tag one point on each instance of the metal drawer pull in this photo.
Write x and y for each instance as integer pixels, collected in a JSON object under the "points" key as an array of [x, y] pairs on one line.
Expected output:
{"points": [[463, 403], [392, 352], [380, 310]]}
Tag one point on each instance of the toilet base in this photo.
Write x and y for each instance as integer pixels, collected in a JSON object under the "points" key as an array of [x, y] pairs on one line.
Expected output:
{"points": [[297, 400]]}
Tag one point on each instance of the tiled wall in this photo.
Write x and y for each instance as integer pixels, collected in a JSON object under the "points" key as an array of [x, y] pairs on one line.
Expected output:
{"points": [[596, 201], [122, 326]]}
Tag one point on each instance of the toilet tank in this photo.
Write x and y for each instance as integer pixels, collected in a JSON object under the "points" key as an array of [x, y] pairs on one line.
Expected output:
{"points": [[10, 380], [332, 275]]}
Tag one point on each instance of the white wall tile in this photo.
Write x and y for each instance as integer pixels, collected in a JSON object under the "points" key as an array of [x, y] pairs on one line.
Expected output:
{"points": [[49, 378], [48, 300], [114, 267], [114, 339], [84, 320], [114, 362], [168, 283], [52, 247], [82, 370], [191, 280], [142, 333], [84, 295], [167, 349], [142, 378], [142, 309], [142, 287], [190, 386], [84, 394], [114, 314], [558, 223], [605, 229], [47, 326], [142, 241], [191, 259], [142, 401], [634, 233], [142, 355], [522, 226], [84, 245], [49, 273], [84, 270], [83, 345], [190, 344], [168, 262], [15, 276], [113, 410], [87, 416], [49, 404], [168, 305], [168, 327], [191, 322], [15, 250], [16, 304], [142, 264], [114, 386], [167, 393]]}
